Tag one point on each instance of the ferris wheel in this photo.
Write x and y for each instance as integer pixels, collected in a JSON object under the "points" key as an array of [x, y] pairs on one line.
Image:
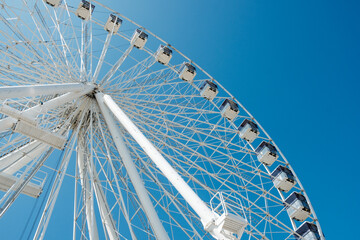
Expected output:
{"points": [[144, 142]]}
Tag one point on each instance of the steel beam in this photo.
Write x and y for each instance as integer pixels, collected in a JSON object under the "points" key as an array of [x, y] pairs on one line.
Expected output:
{"points": [[15, 164], [31, 113], [19, 153], [23, 182], [206, 215], [104, 208], [135, 178], [41, 89], [88, 193]]}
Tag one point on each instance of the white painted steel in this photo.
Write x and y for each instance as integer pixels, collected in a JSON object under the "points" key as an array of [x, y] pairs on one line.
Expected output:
{"points": [[7, 160], [46, 45], [102, 56], [136, 180], [203, 211], [22, 182], [26, 158], [120, 198], [104, 208], [55, 189], [207, 217], [117, 65], [7, 181], [53, 139], [31, 113], [88, 194], [40, 89], [14, 113]]}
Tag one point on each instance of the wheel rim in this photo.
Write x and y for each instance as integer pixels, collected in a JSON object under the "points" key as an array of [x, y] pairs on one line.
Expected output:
{"points": [[54, 46]]}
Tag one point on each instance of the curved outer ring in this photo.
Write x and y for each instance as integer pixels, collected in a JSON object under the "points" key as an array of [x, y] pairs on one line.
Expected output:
{"points": [[230, 95], [234, 99]]}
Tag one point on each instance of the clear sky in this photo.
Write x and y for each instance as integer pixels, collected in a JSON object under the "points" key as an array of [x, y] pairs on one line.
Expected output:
{"points": [[299, 62]]}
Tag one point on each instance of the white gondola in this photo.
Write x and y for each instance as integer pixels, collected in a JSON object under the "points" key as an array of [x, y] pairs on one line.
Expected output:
{"points": [[187, 72], [163, 55], [53, 3], [297, 207], [208, 90], [113, 23], [139, 38], [248, 130], [283, 178], [229, 109], [266, 153], [230, 224], [85, 10], [307, 231]]}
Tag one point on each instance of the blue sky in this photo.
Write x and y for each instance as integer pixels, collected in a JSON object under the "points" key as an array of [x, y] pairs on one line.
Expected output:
{"points": [[299, 63]]}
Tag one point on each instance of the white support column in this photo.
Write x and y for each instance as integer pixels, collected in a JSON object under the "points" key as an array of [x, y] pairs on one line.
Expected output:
{"points": [[135, 178], [201, 209], [41, 89], [87, 196], [31, 113], [104, 209], [119, 198]]}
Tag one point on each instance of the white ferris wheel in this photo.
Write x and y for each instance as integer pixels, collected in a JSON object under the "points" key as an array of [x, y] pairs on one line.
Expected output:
{"points": [[146, 144]]}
